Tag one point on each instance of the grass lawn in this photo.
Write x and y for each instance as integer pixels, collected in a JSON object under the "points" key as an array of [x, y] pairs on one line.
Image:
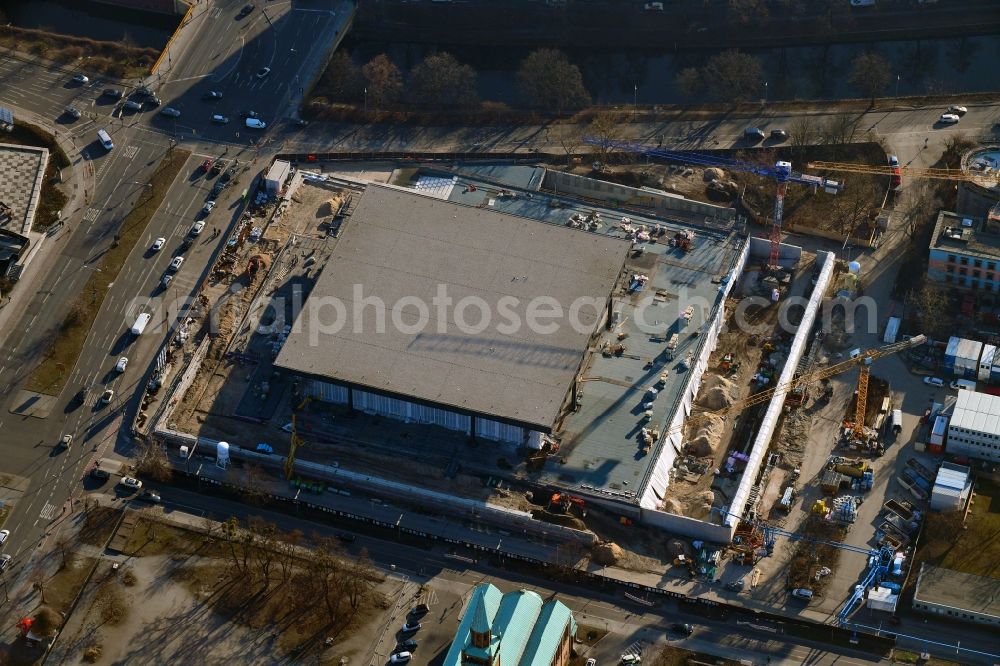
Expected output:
{"points": [[117, 59], [59, 358], [62, 588], [976, 550]]}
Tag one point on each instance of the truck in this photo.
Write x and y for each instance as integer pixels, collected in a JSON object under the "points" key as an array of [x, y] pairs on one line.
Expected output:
{"points": [[787, 498], [140, 323], [671, 348], [966, 384], [891, 330]]}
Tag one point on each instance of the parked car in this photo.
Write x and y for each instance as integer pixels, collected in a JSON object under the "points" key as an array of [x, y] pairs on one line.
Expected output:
{"points": [[122, 364], [130, 483], [802, 593], [158, 244], [107, 397], [153, 100], [591, 662], [112, 93], [72, 112], [207, 208], [3, 536], [957, 110], [5, 561], [779, 135], [256, 123], [249, 114], [132, 105], [631, 658], [99, 472], [400, 657], [408, 645], [150, 496], [948, 119], [419, 610], [263, 71], [166, 280], [207, 164], [175, 264], [170, 112], [246, 11], [653, 6], [66, 442], [212, 94], [933, 381], [143, 91], [80, 78], [198, 227], [411, 626], [219, 119]]}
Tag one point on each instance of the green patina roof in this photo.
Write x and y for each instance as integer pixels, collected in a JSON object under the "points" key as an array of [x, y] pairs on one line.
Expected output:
{"points": [[523, 630]]}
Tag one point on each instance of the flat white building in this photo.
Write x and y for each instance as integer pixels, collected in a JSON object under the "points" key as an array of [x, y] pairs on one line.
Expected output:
{"points": [[951, 487], [974, 428]]}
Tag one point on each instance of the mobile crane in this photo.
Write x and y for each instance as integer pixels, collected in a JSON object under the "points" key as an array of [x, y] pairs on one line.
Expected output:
{"points": [[780, 172]]}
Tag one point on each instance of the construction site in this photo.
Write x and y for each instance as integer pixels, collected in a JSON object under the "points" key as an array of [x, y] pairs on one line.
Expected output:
{"points": [[694, 399]]}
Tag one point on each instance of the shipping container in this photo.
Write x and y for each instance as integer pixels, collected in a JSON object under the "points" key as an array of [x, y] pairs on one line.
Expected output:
{"points": [[986, 362], [967, 358], [938, 431], [995, 374]]}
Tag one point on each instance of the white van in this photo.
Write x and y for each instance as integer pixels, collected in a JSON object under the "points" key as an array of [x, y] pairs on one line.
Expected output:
{"points": [[966, 384], [140, 323], [897, 421], [105, 139]]}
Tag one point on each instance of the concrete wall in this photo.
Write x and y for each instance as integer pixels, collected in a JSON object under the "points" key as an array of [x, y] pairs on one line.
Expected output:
{"points": [[567, 183], [771, 416], [788, 255]]}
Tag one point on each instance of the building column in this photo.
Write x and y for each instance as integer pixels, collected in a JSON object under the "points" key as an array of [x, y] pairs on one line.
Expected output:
{"points": [[350, 398]]}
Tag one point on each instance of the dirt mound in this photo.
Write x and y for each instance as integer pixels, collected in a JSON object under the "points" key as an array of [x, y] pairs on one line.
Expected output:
{"points": [[713, 173], [716, 393], [707, 437], [700, 506], [607, 553], [673, 506]]}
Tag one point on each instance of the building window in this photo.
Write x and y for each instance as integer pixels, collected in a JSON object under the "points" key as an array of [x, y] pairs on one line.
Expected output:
{"points": [[950, 268], [964, 282], [978, 263], [975, 274], [992, 265], [964, 261], [963, 271], [951, 258]]}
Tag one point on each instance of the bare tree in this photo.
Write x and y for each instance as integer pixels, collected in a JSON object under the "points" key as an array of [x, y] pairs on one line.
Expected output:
{"points": [[607, 128], [839, 129], [46, 621], [732, 75], [549, 81], [749, 11], [689, 82], [153, 462], [264, 544], [384, 81], [870, 73], [931, 302], [441, 81], [803, 132], [65, 547]]}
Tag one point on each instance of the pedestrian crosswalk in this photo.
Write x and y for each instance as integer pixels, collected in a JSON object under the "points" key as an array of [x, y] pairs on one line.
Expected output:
{"points": [[48, 511]]}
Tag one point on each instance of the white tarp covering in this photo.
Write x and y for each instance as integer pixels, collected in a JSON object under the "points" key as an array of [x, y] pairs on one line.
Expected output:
{"points": [[659, 475], [770, 420], [404, 410], [328, 392], [500, 432], [882, 599]]}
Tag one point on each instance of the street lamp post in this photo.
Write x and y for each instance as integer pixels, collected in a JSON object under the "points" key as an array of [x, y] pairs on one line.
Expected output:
{"points": [[765, 92], [635, 100], [366, 100], [897, 85]]}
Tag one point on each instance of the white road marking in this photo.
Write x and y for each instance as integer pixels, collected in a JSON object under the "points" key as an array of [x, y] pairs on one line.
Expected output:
{"points": [[48, 512]]}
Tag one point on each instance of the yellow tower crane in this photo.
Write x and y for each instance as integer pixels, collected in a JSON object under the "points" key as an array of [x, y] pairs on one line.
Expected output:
{"points": [[992, 177], [862, 360], [296, 441]]}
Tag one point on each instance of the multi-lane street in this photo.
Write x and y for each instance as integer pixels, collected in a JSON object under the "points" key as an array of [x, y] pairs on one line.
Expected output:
{"points": [[223, 53]]}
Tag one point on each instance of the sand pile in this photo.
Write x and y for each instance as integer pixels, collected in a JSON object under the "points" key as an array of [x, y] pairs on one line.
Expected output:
{"points": [[607, 553], [707, 437], [716, 393]]}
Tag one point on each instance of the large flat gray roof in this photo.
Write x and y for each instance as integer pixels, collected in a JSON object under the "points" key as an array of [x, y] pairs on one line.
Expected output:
{"points": [[968, 592], [400, 245]]}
